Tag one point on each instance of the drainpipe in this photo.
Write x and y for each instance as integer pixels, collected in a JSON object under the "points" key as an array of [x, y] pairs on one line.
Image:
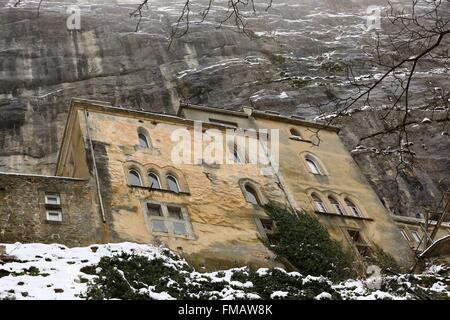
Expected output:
{"points": [[94, 166]]}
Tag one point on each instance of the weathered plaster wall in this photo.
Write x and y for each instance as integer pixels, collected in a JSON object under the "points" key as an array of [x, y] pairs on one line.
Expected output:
{"points": [[43, 65], [343, 178], [223, 222], [23, 217]]}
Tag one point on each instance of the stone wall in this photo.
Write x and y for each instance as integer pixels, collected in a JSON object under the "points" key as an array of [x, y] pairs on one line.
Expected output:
{"points": [[23, 210]]}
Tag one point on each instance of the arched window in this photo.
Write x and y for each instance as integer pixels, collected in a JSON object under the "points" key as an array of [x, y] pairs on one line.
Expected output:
{"points": [[312, 165], [143, 140], [320, 206], [251, 195], [172, 183], [154, 180], [134, 178], [353, 208], [336, 205], [295, 133]]}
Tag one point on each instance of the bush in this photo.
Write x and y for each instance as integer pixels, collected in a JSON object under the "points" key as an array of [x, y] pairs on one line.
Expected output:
{"points": [[385, 261], [137, 277], [306, 244]]}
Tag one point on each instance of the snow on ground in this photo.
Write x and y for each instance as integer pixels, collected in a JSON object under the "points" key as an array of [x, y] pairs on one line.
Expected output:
{"points": [[53, 271], [58, 274]]}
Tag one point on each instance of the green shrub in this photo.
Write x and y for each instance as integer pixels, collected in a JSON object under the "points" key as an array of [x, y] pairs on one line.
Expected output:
{"points": [[384, 260], [306, 244], [129, 277]]}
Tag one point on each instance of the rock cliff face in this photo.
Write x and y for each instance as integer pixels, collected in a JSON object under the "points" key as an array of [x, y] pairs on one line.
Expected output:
{"points": [[295, 57]]}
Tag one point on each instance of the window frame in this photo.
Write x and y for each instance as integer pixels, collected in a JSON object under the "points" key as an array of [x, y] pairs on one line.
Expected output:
{"points": [[169, 175], [415, 235], [48, 213], [255, 194], [318, 208], [168, 220], [141, 182], [405, 234], [354, 209], [313, 166], [336, 206], [56, 195], [361, 246], [142, 137], [157, 179], [266, 234]]}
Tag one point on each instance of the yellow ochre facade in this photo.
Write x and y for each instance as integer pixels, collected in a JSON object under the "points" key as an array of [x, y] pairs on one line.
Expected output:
{"points": [[120, 162]]}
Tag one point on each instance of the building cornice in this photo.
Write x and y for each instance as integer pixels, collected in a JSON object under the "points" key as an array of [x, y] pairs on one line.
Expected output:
{"points": [[260, 114]]}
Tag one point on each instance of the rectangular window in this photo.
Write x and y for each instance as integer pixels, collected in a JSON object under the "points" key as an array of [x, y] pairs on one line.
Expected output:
{"points": [[169, 219], [54, 215], [179, 228], [154, 210], [361, 245], [405, 235], [175, 213], [266, 228], [159, 226], [415, 235], [268, 225], [52, 199]]}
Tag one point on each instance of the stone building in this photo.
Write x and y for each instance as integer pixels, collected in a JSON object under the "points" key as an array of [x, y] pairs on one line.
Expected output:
{"points": [[116, 180]]}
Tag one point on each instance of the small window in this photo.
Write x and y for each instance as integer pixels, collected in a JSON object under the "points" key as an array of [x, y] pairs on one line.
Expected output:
{"points": [[356, 236], [320, 206], [159, 226], [353, 208], [143, 140], [52, 199], [54, 215], [405, 235], [268, 226], [175, 213], [179, 228], [336, 206], [134, 178], [313, 166], [295, 133], [361, 245], [251, 195], [267, 229], [170, 219], [416, 236], [154, 181], [172, 183], [154, 210]]}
